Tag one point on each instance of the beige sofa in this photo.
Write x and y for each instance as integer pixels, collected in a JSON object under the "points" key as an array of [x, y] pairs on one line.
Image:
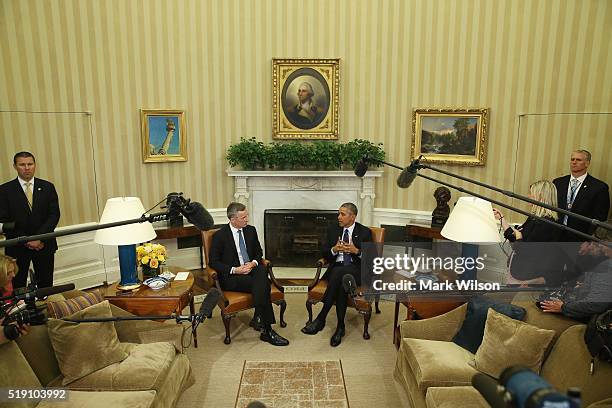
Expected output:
{"points": [[436, 373], [154, 374]]}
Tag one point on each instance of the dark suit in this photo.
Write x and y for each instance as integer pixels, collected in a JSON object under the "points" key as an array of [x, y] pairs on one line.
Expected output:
{"points": [[592, 200], [335, 292], [42, 218], [223, 256]]}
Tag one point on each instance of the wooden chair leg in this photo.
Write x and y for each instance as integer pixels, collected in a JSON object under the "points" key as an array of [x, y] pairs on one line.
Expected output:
{"points": [[309, 309], [366, 323], [226, 323], [283, 306]]}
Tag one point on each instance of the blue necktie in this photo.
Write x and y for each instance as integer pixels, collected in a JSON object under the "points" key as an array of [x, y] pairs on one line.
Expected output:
{"points": [[346, 257], [243, 249]]}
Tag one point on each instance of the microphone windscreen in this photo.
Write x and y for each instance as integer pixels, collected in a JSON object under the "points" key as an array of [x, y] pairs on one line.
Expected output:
{"points": [[406, 177], [7, 227], [42, 292], [209, 303], [361, 167], [198, 216], [487, 387], [256, 404], [348, 283]]}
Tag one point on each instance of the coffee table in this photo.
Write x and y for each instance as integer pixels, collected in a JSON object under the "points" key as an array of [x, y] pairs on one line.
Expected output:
{"points": [[145, 301]]}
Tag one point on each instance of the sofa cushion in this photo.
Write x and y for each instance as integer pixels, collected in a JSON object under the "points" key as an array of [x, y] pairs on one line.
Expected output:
{"points": [[84, 399], [567, 365], [67, 307], [508, 342], [455, 397], [145, 368], [15, 372], [83, 348], [438, 363], [470, 334]]}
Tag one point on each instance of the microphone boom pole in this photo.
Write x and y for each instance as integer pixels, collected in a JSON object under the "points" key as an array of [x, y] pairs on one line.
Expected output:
{"points": [[144, 218], [417, 165]]}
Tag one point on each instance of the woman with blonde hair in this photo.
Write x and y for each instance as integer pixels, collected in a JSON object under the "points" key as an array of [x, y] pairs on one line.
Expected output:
{"points": [[535, 254], [8, 270]]}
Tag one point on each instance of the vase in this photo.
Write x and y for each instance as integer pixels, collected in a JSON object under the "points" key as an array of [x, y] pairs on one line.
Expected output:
{"points": [[148, 272]]}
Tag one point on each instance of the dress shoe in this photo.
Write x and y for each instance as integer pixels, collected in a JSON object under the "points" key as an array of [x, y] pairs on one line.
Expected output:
{"points": [[255, 323], [313, 327], [273, 338], [337, 337]]}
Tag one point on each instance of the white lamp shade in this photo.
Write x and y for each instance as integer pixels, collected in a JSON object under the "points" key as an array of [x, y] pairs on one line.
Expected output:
{"points": [[122, 209], [471, 221]]}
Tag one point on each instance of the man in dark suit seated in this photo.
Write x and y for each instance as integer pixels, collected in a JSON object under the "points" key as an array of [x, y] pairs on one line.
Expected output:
{"points": [[342, 250], [33, 205], [236, 254], [583, 194]]}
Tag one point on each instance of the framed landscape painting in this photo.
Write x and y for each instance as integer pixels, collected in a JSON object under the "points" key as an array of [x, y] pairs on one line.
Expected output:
{"points": [[163, 135], [452, 136], [305, 98]]}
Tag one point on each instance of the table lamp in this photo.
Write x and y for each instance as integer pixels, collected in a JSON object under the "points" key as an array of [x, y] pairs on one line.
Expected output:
{"points": [[125, 236], [471, 222]]}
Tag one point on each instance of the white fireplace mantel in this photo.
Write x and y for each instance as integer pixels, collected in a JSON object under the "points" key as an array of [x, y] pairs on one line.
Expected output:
{"points": [[303, 190]]}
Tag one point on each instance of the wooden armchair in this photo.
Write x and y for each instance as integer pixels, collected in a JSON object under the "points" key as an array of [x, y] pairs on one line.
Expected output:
{"points": [[316, 289], [231, 302]]}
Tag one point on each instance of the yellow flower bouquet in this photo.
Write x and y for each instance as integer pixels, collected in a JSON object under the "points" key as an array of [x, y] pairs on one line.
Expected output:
{"points": [[150, 256]]}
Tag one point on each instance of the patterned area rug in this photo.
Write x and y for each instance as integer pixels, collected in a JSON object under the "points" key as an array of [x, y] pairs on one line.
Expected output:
{"points": [[293, 384]]}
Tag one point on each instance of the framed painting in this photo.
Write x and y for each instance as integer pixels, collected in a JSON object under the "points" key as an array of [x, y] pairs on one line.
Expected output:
{"points": [[305, 98], [163, 135], [452, 136]]}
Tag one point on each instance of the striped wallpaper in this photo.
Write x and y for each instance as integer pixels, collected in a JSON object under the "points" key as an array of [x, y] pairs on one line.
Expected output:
{"points": [[74, 75]]}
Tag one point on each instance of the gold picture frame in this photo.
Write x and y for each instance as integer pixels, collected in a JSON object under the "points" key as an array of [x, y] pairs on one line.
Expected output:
{"points": [[450, 136], [313, 114], [163, 135]]}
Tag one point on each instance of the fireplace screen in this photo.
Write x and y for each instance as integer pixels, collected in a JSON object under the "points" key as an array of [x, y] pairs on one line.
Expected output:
{"points": [[294, 237]]}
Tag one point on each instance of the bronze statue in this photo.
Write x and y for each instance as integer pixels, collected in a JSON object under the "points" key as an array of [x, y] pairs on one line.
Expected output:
{"points": [[442, 210]]}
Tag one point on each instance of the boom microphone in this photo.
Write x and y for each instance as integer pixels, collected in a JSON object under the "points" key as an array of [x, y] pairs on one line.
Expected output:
{"points": [[349, 284], [192, 210], [52, 290], [7, 227], [40, 293], [407, 176], [197, 215], [362, 166], [209, 303]]}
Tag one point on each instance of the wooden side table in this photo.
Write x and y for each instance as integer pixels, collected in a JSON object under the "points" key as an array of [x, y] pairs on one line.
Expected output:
{"points": [[145, 301]]}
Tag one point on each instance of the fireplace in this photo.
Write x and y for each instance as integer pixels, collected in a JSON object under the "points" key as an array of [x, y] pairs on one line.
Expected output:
{"points": [[294, 237]]}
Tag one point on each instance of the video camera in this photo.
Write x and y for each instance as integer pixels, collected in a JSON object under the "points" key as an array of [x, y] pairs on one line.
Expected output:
{"points": [[522, 388], [15, 314]]}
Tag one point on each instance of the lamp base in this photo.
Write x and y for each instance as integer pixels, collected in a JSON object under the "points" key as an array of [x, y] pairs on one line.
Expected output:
{"points": [[129, 286]]}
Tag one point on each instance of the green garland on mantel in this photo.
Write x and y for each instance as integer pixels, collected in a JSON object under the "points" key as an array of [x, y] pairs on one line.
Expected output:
{"points": [[251, 154]]}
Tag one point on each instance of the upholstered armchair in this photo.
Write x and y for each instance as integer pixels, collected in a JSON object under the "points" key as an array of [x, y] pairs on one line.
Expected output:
{"points": [[231, 302], [316, 288]]}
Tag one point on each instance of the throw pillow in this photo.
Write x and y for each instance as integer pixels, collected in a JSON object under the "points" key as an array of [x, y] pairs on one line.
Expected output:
{"points": [[470, 334], [83, 348], [509, 342], [67, 307]]}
